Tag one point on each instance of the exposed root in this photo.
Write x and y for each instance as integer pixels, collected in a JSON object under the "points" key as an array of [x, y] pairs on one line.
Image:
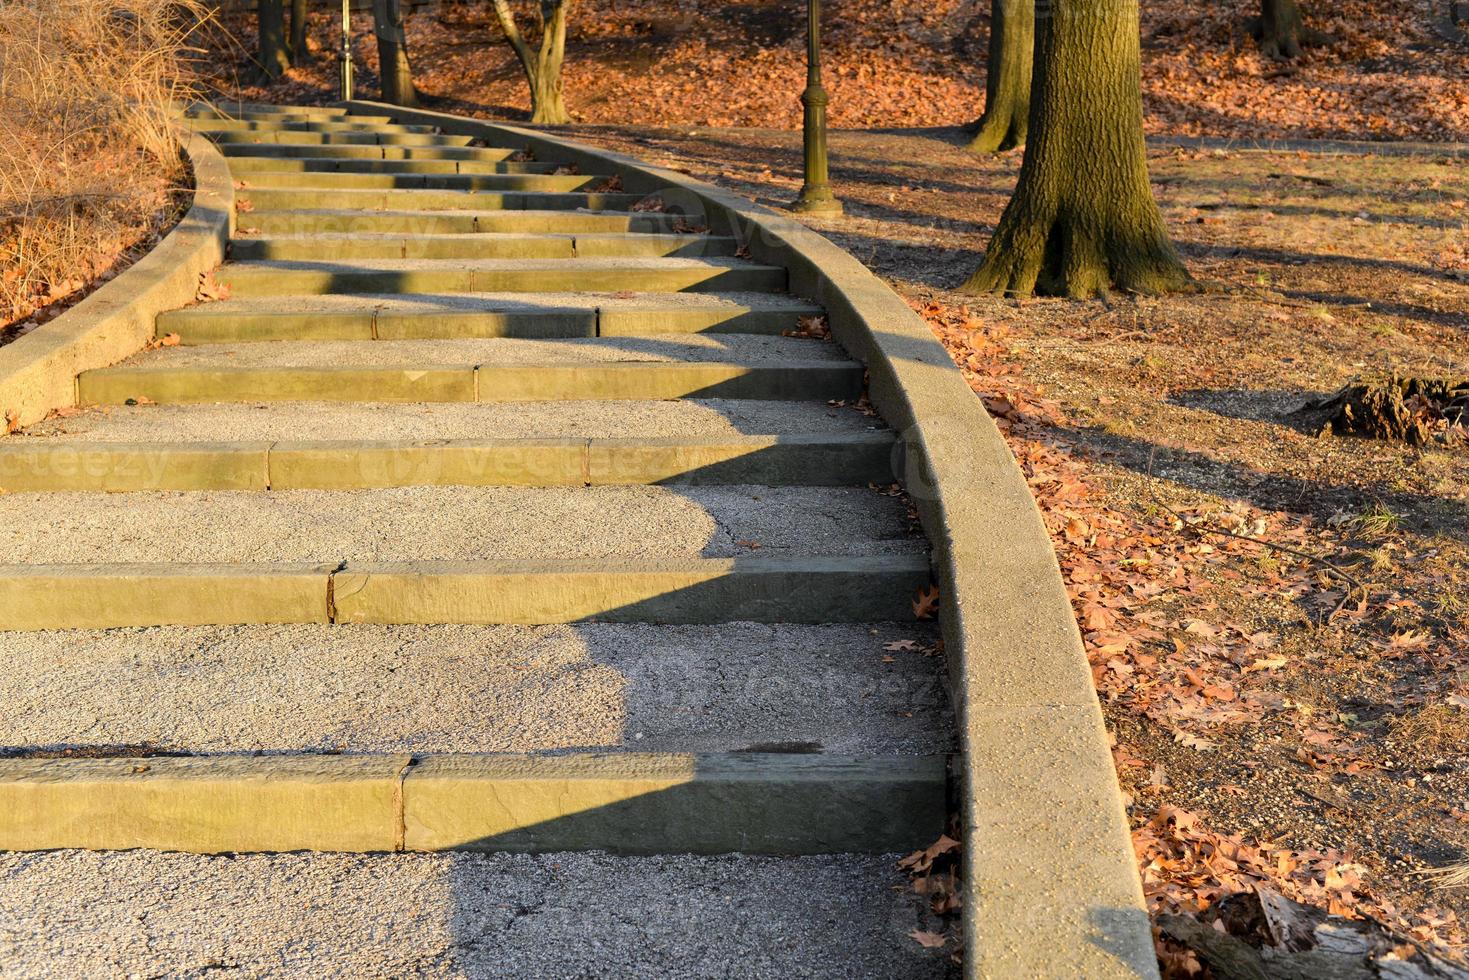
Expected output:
{"points": [[1067, 260], [998, 132]]}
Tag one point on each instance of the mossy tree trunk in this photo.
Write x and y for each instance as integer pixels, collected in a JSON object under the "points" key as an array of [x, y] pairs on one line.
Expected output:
{"points": [[542, 66], [1082, 219], [273, 56], [299, 53], [1007, 81], [396, 74], [1281, 30]]}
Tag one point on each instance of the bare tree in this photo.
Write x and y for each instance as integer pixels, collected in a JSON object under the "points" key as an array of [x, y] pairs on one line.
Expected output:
{"points": [[1082, 218], [1007, 81], [274, 59], [394, 71], [543, 66], [1281, 30], [299, 52]]}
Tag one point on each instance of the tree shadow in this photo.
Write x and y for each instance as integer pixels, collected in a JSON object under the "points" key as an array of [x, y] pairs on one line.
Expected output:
{"points": [[1267, 490], [1278, 256]]}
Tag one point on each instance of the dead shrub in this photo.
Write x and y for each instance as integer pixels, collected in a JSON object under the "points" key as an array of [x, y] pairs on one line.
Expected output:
{"points": [[89, 160]]}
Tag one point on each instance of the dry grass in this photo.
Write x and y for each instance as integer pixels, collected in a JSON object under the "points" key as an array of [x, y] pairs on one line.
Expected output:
{"points": [[88, 155]]}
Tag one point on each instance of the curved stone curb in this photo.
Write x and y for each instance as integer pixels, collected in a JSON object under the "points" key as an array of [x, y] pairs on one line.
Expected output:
{"points": [[1051, 886], [38, 371]]}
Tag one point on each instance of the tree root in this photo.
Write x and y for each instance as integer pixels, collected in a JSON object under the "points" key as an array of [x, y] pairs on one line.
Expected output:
{"points": [[1063, 261], [996, 135]]}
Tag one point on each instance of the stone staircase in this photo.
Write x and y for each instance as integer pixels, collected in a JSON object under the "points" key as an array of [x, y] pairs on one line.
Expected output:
{"points": [[479, 506]]}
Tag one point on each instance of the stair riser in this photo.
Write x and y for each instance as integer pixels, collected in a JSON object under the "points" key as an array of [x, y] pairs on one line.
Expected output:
{"points": [[196, 327], [245, 110], [631, 803], [282, 137], [246, 166], [550, 183], [284, 199], [822, 381], [483, 154], [306, 222], [482, 247], [299, 282], [856, 590], [801, 461], [279, 125]]}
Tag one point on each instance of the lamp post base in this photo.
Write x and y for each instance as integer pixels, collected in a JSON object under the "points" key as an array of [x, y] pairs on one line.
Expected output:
{"points": [[817, 200]]}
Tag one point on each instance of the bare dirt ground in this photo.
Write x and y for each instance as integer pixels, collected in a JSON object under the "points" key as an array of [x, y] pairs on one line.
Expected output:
{"points": [[1392, 70], [1289, 717]]}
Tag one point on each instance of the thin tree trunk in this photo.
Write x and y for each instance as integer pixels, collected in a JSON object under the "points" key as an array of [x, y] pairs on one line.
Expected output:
{"points": [[273, 56], [299, 53], [394, 71], [1007, 83], [1082, 218], [542, 67], [1282, 32]]}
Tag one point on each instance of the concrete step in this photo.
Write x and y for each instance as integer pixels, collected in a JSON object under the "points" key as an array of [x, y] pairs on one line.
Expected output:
{"points": [[462, 914], [337, 151], [371, 316], [805, 459], [418, 382], [765, 588], [695, 419], [373, 137], [258, 110], [614, 687], [503, 245], [305, 221], [613, 525], [643, 803], [287, 199], [280, 124], [650, 275], [244, 166], [751, 349], [553, 183]]}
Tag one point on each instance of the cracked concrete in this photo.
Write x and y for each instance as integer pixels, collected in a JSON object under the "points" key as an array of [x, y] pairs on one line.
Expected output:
{"points": [[727, 348], [423, 689], [449, 420], [452, 523], [139, 913]]}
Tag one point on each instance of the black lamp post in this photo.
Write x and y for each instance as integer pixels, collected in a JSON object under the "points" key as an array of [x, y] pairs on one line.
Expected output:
{"points": [[816, 196], [346, 50]]}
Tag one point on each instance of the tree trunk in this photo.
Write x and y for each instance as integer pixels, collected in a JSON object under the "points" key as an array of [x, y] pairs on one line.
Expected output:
{"points": [[273, 56], [1280, 29], [299, 53], [395, 73], [543, 67], [1007, 83], [1083, 218]]}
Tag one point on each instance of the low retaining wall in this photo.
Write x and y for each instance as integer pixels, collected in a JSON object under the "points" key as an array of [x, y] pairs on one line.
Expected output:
{"points": [[38, 371], [1051, 886]]}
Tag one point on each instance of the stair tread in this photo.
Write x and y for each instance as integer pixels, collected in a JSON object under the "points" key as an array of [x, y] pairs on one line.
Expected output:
{"points": [[426, 524], [301, 421], [408, 265], [436, 689], [434, 304], [479, 914], [694, 348]]}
